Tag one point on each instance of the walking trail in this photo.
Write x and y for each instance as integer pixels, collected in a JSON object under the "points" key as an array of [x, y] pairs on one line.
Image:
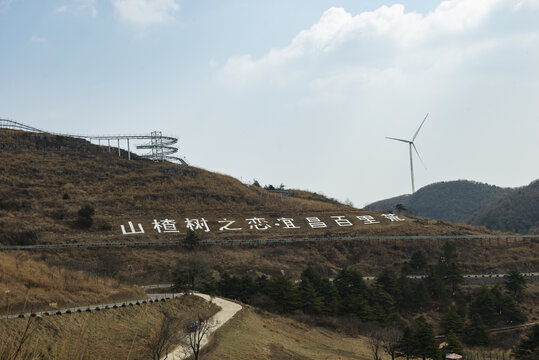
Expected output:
{"points": [[228, 310]]}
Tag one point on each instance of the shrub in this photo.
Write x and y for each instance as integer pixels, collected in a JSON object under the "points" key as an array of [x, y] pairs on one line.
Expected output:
{"points": [[66, 196], [85, 216], [106, 227]]}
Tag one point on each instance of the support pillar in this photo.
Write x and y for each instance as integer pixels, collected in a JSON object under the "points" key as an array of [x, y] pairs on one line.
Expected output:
{"points": [[118, 147], [109, 144], [128, 150]]}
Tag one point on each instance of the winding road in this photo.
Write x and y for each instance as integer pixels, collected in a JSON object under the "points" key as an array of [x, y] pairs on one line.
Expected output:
{"points": [[227, 312]]}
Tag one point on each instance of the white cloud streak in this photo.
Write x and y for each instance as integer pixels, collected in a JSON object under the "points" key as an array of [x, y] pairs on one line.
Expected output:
{"points": [[337, 27], [146, 12], [78, 6]]}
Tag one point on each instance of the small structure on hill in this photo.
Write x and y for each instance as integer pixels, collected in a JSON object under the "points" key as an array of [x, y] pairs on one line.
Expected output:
{"points": [[160, 147]]}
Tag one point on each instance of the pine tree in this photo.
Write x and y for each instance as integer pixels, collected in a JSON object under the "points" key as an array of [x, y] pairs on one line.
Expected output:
{"points": [[515, 283], [451, 322], [309, 301], [418, 261], [528, 348], [423, 334], [476, 333], [406, 345], [453, 344], [283, 291]]}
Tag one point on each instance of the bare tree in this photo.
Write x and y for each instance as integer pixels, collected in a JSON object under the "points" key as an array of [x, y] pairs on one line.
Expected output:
{"points": [[187, 273], [159, 341], [390, 339], [374, 339], [197, 331]]}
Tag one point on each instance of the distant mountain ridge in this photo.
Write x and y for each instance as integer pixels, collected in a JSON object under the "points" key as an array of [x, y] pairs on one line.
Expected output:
{"points": [[470, 202]]}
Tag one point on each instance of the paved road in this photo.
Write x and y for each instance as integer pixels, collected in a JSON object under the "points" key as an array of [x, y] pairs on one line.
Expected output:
{"points": [[228, 310]]}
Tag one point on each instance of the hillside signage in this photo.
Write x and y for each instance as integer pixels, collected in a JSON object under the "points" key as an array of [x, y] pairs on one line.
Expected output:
{"points": [[257, 223]]}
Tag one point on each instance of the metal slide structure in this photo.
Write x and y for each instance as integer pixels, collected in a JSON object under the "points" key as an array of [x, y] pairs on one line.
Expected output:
{"points": [[161, 147]]}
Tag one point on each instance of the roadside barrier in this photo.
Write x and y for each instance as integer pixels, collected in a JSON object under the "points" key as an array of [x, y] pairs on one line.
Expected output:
{"points": [[152, 298], [484, 239]]}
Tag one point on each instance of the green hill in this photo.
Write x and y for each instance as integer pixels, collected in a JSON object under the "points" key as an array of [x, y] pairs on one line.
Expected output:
{"points": [[518, 211], [469, 202]]}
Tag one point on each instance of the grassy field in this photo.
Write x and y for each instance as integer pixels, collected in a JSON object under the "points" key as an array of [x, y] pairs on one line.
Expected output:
{"points": [[255, 335], [109, 334]]}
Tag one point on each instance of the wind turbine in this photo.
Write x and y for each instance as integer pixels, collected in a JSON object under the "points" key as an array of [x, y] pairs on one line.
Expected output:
{"points": [[410, 145]]}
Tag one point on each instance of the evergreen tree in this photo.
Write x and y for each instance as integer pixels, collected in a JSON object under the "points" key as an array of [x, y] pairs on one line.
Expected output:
{"points": [[84, 216], [424, 340], [406, 345], [388, 281], [381, 303], [506, 307], [528, 348], [451, 322], [309, 301], [420, 296], [283, 292], [418, 261], [476, 333], [330, 297], [484, 304], [350, 282], [515, 283], [405, 299], [453, 345]]}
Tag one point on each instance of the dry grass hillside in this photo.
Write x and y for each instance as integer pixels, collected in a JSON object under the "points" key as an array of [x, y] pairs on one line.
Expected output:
{"points": [[30, 285], [259, 335], [46, 179], [124, 333]]}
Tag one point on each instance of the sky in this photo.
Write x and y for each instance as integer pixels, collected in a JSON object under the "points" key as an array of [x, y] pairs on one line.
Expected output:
{"points": [[294, 92]]}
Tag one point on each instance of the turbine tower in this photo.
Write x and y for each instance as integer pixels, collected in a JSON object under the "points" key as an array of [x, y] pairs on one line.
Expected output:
{"points": [[410, 145]]}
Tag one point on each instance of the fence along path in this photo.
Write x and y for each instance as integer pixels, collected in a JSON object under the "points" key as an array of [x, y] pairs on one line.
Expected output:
{"points": [[499, 239]]}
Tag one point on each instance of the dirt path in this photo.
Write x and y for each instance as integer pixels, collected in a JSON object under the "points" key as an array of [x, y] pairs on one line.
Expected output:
{"points": [[228, 310]]}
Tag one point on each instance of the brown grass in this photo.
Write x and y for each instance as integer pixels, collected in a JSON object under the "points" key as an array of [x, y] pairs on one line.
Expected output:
{"points": [[108, 334], [27, 284], [259, 335]]}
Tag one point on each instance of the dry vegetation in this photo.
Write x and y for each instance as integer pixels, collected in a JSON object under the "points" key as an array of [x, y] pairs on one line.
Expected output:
{"points": [[28, 284], [39, 170], [109, 334], [259, 335]]}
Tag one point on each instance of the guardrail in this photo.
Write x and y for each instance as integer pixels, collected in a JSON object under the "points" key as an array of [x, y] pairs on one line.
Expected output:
{"points": [[269, 241], [152, 298]]}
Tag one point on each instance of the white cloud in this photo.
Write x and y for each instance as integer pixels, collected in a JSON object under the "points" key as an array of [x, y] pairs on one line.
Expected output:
{"points": [[78, 6], [337, 27], [38, 39], [146, 12], [61, 9]]}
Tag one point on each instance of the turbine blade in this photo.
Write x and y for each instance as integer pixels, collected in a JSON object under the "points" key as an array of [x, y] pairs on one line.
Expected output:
{"points": [[405, 141], [419, 156], [417, 132]]}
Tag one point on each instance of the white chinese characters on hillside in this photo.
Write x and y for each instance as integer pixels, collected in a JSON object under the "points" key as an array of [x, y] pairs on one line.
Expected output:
{"points": [[256, 223]]}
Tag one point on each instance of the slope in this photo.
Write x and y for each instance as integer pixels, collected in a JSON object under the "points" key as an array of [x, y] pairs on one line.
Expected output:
{"points": [[455, 201], [518, 211]]}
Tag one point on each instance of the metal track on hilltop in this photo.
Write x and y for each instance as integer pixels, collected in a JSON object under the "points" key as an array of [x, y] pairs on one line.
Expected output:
{"points": [[160, 146], [490, 238]]}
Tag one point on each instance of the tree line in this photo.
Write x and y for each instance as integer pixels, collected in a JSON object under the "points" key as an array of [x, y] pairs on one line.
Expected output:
{"points": [[386, 303]]}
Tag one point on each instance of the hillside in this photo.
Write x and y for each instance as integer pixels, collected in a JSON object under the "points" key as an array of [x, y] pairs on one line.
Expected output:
{"points": [[518, 211], [45, 180], [469, 202]]}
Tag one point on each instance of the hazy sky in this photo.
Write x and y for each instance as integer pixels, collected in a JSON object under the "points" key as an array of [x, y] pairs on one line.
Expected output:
{"points": [[295, 92]]}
